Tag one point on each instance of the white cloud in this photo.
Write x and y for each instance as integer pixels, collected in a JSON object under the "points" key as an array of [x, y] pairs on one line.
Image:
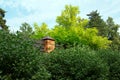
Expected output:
{"points": [[31, 18]]}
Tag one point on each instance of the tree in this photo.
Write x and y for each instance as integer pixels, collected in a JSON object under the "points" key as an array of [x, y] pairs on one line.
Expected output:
{"points": [[113, 33], [68, 16], [25, 29], [98, 22], [110, 25], [40, 31], [2, 20]]}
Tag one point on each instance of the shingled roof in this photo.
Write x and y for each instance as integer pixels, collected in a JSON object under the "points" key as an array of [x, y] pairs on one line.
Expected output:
{"points": [[48, 38]]}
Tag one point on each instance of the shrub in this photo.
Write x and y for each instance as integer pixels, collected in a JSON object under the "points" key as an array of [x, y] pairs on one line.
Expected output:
{"points": [[19, 60], [78, 63], [112, 58]]}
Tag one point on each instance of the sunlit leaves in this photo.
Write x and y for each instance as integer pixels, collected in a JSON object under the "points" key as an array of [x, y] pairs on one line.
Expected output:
{"points": [[40, 31], [68, 16]]}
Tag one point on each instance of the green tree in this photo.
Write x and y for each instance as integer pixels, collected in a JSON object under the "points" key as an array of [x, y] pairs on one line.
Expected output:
{"points": [[40, 31], [2, 20], [25, 29], [69, 16], [112, 28], [98, 22], [113, 33]]}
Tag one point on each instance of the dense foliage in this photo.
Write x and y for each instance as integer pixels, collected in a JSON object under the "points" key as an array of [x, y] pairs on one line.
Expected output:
{"points": [[112, 58], [82, 63], [79, 35], [79, 63], [22, 61], [19, 59]]}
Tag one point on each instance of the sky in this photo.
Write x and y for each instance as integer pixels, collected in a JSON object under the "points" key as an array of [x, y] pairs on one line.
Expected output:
{"points": [[39, 11]]}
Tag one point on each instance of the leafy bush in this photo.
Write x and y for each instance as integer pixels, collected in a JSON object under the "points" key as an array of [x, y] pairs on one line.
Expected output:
{"points": [[112, 58], [79, 63], [19, 60]]}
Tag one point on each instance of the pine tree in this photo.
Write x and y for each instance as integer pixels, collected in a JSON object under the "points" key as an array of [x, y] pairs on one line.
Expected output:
{"points": [[98, 22]]}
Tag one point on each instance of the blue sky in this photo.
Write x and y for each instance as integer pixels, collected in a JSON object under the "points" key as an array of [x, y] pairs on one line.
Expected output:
{"points": [[30, 11]]}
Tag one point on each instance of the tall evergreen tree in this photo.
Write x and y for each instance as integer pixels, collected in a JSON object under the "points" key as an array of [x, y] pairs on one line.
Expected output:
{"points": [[2, 20], [98, 22]]}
